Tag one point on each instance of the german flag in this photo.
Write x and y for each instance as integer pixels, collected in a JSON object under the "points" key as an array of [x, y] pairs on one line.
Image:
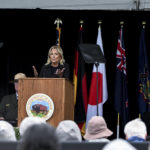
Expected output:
{"points": [[80, 86]]}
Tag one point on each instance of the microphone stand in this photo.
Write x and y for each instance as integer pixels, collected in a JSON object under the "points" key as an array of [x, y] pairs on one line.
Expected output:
{"points": [[97, 64]]}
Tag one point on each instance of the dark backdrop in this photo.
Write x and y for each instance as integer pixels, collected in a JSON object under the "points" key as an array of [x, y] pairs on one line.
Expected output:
{"points": [[28, 34]]}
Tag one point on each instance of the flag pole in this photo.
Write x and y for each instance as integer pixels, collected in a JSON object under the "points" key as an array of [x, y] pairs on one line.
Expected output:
{"points": [[139, 116], [99, 23], [81, 23], [118, 126], [75, 80], [143, 23], [118, 116], [97, 64], [58, 21], [121, 23]]}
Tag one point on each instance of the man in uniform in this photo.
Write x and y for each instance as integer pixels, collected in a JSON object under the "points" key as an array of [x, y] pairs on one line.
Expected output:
{"points": [[9, 103]]}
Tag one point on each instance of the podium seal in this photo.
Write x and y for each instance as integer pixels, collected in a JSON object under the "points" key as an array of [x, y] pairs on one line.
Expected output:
{"points": [[40, 105]]}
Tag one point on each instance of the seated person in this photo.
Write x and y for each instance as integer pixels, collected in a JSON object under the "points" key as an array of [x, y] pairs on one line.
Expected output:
{"points": [[39, 137], [118, 144], [29, 121], [97, 130], [68, 130], [135, 131], [7, 132], [55, 66], [9, 103]]}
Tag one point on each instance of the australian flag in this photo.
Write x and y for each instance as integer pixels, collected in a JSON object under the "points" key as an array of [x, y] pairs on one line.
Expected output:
{"points": [[121, 94], [143, 77]]}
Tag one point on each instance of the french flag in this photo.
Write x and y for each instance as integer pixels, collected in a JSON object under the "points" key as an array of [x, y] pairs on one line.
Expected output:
{"points": [[102, 87]]}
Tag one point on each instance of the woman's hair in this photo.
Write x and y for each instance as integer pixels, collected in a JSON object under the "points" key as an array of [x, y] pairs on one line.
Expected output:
{"points": [[59, 50]]}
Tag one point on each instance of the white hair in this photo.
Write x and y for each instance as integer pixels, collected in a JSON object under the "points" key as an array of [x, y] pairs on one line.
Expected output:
{"points": [[135, 127], [7, 132], [68, 130], [118, 144], [29, 121]]}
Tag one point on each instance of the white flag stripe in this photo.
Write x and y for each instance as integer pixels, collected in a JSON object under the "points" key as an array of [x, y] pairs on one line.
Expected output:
{"points": [[92, 111], [99, 39], [102, 68]]}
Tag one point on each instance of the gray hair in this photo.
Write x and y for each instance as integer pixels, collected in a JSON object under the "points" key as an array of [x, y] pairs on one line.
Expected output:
{"points": [[118, 144], [7, 132], [135, 127], [29, 121], [68, 130]]}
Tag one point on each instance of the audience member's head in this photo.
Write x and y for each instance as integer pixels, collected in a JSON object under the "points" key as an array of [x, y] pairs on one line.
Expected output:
{"points": [[68, 130], [118, 144], [19, 76], [7, 132], [135, 130], [16, 78], [39, 137], [29, 121], [97, 129]]}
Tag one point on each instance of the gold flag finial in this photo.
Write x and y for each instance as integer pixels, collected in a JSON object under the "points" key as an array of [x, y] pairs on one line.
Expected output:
{"points": [[58, 29], [143, 24], [58, 21], [121, 23], [99, 22], [81, 22]]}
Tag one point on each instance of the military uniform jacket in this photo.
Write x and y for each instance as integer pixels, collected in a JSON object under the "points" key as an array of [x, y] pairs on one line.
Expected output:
{"points": [[9, 107]]}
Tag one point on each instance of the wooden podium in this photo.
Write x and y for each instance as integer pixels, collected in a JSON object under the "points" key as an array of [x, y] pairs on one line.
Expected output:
{"points": [[60, 90]]}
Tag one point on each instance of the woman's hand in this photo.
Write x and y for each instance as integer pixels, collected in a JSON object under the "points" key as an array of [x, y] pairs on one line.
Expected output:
{"points": [[59, 72], [35, 71]]}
